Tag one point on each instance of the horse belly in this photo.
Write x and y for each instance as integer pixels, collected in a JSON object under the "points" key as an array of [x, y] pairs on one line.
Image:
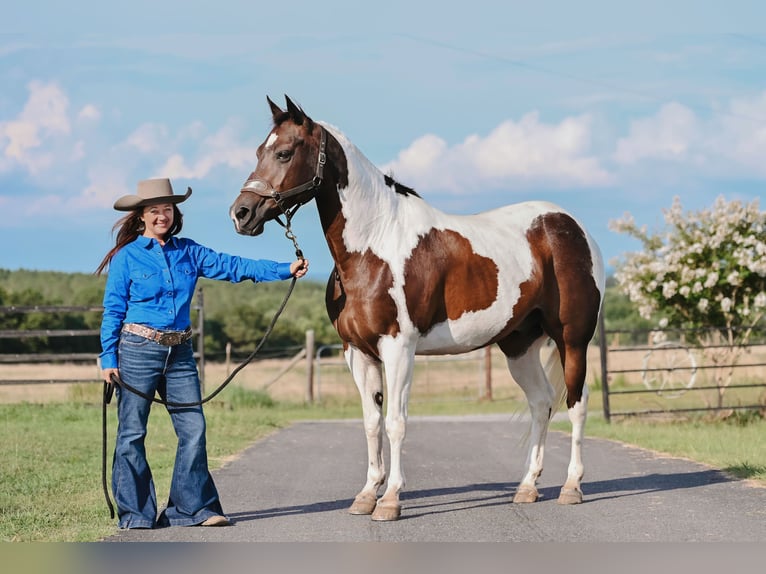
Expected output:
{"points": [[469, 332]]}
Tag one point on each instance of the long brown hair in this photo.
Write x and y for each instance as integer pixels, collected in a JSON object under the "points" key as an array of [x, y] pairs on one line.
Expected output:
{"points": [[130, 226]]}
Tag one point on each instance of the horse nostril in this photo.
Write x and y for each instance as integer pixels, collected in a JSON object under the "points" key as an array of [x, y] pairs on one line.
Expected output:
{"points": [[242, 213]]}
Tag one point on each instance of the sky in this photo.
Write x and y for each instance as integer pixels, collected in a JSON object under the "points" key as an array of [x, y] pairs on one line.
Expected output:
{"points": [[605, 108]]}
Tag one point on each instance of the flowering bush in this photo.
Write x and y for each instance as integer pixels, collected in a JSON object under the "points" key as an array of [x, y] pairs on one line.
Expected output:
{"points": [[705, 272], [706, 268]]}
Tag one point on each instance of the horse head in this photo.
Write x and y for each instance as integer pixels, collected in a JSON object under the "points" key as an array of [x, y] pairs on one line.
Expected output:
{"points": [[289, 172]]}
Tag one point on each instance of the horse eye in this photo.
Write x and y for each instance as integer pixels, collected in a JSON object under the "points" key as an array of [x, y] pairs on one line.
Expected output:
{"points": [[284, 155]]}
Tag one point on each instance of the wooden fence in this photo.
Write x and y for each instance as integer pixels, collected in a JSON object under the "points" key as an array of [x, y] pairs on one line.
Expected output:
{"points": [[88, 357], [666, 377], [322, 373]]}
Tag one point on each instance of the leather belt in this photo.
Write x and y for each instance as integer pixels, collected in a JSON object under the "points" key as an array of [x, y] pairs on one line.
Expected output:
{"points": [[166, 338]]}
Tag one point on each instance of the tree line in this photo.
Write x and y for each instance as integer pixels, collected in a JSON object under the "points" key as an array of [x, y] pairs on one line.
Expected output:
{"points": [[234, 313]]}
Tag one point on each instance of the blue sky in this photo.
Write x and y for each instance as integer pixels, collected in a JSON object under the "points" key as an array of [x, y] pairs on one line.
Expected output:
{"points": [[601, 107]]}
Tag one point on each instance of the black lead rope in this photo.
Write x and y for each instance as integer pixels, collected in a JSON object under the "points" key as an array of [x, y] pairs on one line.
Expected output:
{"points": [[117, 381], [108, 391]]}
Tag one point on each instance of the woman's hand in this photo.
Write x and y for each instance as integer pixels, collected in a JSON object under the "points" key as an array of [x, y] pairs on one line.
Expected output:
{"points": [[106, 374], [299, 267]]}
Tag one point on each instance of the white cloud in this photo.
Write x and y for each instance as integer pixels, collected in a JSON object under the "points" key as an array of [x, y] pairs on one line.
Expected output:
{"points": [[105, 185], [740, 134], [514, 153], [89, 112], [148, 138], [668, 135], [732, 141], [44, 117], [222, 148]]}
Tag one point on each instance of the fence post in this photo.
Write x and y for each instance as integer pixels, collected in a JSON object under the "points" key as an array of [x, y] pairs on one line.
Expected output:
{"points": [[604, 371], [488, 373], [310, 366]]}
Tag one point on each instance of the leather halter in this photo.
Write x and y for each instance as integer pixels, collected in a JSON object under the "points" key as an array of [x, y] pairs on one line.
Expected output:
{"points": [[264, 189]]}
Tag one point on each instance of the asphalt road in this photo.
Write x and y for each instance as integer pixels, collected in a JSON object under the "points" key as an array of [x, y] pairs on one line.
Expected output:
{"points": [[296, 484]]}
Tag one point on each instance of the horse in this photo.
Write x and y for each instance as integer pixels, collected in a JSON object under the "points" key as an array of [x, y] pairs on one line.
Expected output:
{"points": [[412, 280]]}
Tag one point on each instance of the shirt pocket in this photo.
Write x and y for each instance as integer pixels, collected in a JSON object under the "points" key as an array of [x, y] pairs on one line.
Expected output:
{"points": [[184, 278], [144, 285]]}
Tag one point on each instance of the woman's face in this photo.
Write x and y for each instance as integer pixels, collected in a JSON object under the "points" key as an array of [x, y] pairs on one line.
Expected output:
{"points": [[158, 219]]}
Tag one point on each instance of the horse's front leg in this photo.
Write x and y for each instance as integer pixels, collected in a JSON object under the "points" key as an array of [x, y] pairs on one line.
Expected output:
{"points": [[398, 363], [367, 375]]}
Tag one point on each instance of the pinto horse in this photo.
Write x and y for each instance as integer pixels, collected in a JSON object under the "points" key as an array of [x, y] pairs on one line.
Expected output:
{"points": [[411, 280]]}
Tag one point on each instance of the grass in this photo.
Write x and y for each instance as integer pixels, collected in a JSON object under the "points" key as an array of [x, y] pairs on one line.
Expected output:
{"points": [[51, 458], [734, 445], [51, 452]]}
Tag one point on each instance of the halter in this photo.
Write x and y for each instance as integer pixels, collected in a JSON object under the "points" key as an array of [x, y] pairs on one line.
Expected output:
{"points": [[263, 189]]}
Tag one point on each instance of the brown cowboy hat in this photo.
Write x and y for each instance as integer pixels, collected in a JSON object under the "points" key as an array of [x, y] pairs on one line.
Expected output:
{"points": [[151, 192]]}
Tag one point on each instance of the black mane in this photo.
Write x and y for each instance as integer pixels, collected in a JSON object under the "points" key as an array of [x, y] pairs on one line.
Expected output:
{"points": [[398, 187]]}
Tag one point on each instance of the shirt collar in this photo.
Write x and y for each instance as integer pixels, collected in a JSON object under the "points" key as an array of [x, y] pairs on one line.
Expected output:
{"points": [[147, 242]]}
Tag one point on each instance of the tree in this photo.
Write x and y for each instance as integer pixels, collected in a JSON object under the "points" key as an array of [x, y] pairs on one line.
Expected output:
{"points": [[705, 269]]}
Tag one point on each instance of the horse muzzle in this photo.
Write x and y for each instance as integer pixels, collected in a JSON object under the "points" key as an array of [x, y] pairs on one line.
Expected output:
{"points": [[246, 219]]}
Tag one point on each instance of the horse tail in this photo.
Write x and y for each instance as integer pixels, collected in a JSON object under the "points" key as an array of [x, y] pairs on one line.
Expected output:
{"points": [[554, 372]]}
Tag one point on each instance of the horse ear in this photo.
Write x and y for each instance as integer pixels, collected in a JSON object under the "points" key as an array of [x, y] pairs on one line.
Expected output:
{"points": [[296, 113], [275, 109]]}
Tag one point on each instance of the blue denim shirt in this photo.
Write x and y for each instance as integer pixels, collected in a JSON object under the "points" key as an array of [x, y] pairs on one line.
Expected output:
{"points": [[154, 285]]}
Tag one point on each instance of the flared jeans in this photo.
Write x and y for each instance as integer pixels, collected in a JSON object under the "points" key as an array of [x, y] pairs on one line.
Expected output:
{"points": [[172, 373]]}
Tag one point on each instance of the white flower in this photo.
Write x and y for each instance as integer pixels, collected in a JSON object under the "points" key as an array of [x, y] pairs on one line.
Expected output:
{"points": [[726, 304], [703, 304], [711, 280], [659, 336], [733, 278], [669, 289], [760, 300]]}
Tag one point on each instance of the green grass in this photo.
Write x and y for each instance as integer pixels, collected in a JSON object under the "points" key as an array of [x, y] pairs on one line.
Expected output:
{"points": [[51, 458], [51, 453], [735, 445]]}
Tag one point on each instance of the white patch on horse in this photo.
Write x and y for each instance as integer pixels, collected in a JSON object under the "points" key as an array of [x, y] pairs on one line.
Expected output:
{"points": [[271, 140], [391, 226]]}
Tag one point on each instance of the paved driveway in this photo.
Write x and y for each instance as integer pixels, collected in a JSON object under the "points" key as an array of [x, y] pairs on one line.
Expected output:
{"points": [[296, 484]]}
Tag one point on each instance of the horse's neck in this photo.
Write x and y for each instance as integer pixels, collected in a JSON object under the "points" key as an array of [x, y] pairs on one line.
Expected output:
{"points": [[368, 204]]}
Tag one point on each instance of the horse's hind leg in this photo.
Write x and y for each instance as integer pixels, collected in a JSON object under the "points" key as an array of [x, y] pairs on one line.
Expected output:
{"points": [[367, 375], [577, 403], [527, 370]]}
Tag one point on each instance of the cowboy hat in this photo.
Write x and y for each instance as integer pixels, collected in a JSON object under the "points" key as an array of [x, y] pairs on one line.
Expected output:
{"points": [[150, 192]]}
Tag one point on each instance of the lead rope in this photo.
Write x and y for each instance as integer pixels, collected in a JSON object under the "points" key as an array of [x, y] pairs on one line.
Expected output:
{"points": [[117, 381]]}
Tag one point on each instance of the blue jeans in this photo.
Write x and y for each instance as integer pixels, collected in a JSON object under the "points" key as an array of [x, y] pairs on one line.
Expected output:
{"points": [[171, 372]]}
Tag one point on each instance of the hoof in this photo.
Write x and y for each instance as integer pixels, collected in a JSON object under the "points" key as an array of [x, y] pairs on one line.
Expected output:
{"points": [[387, 512], [570, 496], [363, 504], [525, 495]]}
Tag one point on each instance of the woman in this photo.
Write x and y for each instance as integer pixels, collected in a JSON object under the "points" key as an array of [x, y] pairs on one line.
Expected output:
{"points": [[146, 341]]}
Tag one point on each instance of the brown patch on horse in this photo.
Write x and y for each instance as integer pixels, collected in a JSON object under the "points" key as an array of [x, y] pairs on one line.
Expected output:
{"points": [[444, 279], [561, 298], [359, 305], [572, 301]]}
